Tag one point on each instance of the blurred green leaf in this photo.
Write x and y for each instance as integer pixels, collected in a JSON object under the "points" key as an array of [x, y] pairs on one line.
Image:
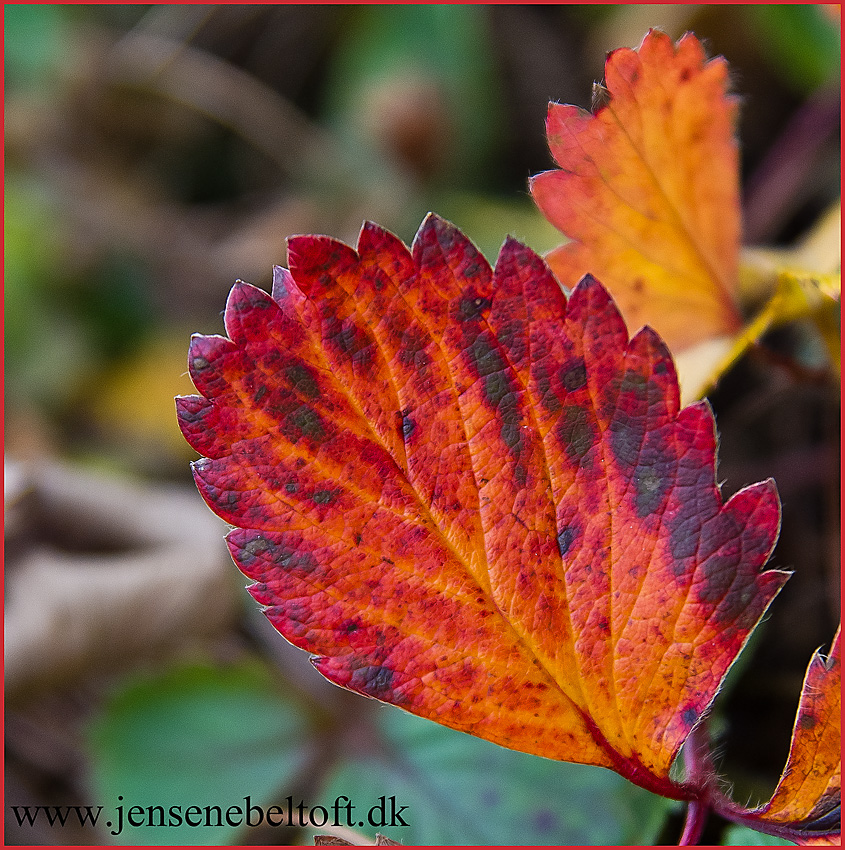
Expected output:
{"points": [[418, 80], [28, 257], [196, 735], [47, 349], [114, 303], [35, 40], [461, 790], [802, 43], [62, 323], [742, 836]]}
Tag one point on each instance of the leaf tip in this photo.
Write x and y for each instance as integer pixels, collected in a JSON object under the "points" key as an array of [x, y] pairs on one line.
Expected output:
{"points": [[283, 283], [243, 300], [591, 296]]}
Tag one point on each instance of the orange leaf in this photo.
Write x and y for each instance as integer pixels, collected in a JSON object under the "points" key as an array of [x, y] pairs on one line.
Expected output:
{"points": [[648, 190], [808, 795], [476, 501]]}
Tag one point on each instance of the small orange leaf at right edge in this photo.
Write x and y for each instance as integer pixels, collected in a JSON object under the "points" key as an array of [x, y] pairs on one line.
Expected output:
{"points": [[808, 794], [648, 191]]}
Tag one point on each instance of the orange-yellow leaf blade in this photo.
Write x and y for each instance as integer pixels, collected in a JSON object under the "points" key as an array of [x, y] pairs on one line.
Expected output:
{"points": [[648, 191]]}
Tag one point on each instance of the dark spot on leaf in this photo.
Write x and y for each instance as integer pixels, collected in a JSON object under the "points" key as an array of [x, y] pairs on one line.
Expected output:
{"points": [[363, 356], [719, 572], [650, 489], [683, 539], [278, 554], [256, 546], [199, 363], [573, 376], [520, 474], [472, 306], [446, 236], [544, 387], [485, 358], [290, 559], [739, 610], [689, 716], [576, 432], [471, 255], [685, 75], [635, 383], [251, 300], [544, 383], [298, 617], [303, 380], [565, 538], [496, 387], [408, 424], [260, 393], [626, 440], [511, 436], [291, 486], [499, 392], [191, 415], [351, 628], [807, 721], [323, 497], [343, 335], [303, 422], [374, 680]]}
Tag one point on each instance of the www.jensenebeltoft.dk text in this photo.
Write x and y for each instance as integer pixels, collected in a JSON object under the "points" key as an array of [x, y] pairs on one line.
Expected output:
{"points": [[342, 812]]}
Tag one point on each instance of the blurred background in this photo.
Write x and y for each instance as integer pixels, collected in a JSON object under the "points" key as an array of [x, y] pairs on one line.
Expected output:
{"points": [[157, 153]]}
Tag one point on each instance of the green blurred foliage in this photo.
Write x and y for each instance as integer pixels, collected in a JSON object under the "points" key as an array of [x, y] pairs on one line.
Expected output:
{"points": [[742, 836], [417, 83], [196, 735], [48, 351], [62, 321], [803, 42], [35, 43], [462, 790]]}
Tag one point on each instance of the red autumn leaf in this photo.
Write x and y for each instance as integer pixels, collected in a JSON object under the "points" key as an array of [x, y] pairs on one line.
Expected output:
{"points": [[476, 501], [807, 798], [648, 190]]}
